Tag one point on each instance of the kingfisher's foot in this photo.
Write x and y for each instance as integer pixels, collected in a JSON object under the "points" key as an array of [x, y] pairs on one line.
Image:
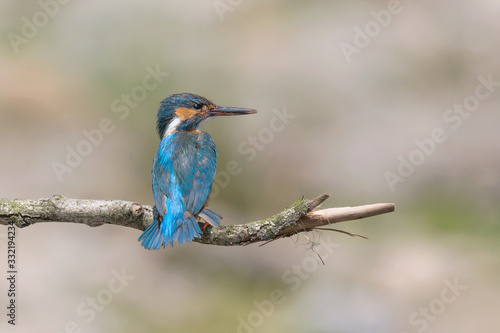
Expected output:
{"points": [[205, 226]]}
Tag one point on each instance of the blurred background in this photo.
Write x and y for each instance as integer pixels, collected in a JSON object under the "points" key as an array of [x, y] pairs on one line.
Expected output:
{"points": [[349, 95]]}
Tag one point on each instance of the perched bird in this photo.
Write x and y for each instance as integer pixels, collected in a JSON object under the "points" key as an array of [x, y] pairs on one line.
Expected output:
{"points": [[183, 170]]}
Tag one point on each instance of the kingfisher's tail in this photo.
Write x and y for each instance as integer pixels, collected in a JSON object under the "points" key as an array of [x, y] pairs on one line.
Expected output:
{"points": [[188, 230], [210, 216], [152, 238], [156, 235]]}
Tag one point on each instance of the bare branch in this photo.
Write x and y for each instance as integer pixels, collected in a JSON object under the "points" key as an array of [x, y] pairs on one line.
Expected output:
{"points": [[299, 217]]}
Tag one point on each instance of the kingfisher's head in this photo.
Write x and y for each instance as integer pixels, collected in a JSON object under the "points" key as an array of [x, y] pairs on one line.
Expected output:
{"points": [[188, 112]]}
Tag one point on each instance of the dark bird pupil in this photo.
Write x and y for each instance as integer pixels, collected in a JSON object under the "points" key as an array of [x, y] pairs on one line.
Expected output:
{"points": [[197, 106]]}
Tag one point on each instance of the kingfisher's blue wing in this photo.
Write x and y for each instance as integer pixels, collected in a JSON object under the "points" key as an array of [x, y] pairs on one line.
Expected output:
{"points": [[183, 172], [201, 185], [192, 157]]}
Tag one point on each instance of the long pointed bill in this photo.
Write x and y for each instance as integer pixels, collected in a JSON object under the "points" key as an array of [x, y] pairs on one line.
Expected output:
{"points": [[229, 111]]}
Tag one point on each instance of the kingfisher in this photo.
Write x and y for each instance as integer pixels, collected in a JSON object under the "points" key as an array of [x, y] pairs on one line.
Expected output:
{"points": [[183, 170]]}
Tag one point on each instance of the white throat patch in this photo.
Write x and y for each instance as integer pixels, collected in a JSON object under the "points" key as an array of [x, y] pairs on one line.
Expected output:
{"points": [[172, 127]]}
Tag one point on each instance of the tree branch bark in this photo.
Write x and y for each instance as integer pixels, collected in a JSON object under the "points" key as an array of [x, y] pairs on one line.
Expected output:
{"points": [[299, 217]]}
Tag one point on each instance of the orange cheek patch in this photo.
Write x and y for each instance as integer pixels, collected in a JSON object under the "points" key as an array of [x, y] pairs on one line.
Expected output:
{"points": [[185, 113]]}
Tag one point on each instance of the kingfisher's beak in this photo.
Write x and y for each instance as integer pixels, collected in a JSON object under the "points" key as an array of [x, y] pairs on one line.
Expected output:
{"points": [[229, 111]]}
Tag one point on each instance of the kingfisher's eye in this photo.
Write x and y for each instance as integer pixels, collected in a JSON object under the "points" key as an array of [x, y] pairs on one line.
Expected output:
{"points": [[197, 106]]}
